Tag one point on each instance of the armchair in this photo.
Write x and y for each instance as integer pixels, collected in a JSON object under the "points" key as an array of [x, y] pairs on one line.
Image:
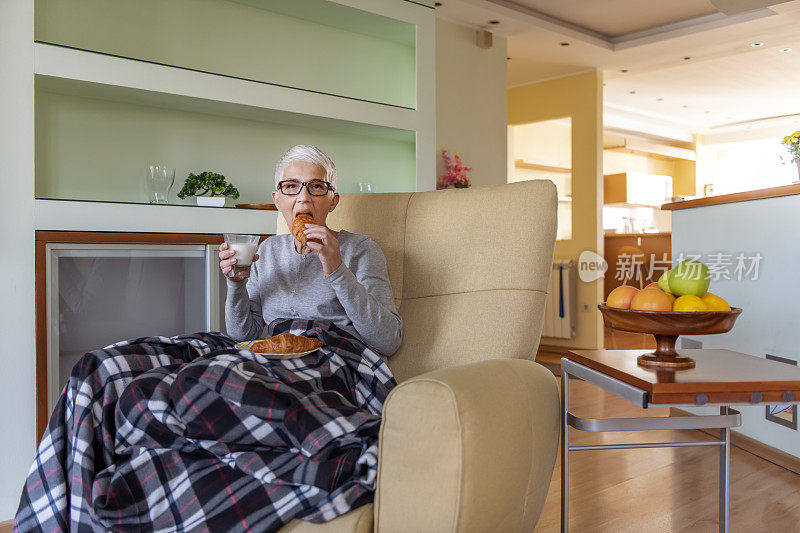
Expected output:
{"points": [[470, 434]]}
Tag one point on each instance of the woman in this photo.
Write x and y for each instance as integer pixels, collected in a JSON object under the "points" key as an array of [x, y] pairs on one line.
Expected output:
{"points": [[341, 278]]}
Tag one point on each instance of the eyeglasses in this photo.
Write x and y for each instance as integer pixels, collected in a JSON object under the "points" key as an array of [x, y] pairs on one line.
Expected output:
{"points": [[314, 187]]}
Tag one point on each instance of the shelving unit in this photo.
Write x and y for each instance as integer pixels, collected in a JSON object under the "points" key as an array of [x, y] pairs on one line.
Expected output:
{"points": [[547, 167], [109, 101], [652, 149]]}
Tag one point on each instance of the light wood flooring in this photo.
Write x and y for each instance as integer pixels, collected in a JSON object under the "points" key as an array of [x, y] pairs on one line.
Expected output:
{"points": [[662, 489]]}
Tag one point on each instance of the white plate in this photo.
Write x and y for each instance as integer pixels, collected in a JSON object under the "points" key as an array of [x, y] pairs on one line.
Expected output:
{"points": [[245, 345]]}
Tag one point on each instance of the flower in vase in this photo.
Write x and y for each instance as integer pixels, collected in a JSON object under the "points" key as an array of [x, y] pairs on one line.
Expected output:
{"points": [[456, 176]]}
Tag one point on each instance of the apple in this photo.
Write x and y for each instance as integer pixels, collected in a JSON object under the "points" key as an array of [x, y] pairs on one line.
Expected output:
{"points": [[663, 281], [689, 277]]}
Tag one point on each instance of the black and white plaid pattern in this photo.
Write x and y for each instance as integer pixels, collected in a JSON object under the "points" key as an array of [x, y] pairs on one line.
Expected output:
{"points": [[189, 434]]}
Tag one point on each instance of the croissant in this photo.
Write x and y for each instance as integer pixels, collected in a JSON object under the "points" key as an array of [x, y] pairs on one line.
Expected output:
{"points": [[285, 343], [299, 226]]}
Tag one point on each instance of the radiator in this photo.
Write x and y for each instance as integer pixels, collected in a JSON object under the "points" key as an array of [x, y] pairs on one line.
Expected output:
{"points": [[560, 312]]}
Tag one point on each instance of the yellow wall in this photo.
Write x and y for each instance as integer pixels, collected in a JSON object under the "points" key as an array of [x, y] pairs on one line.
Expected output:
{"points": [[580, 98]]}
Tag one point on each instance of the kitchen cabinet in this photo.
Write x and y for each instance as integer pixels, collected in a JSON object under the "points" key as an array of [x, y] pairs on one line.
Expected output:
{"points": [[636, 188], [657, 253]]}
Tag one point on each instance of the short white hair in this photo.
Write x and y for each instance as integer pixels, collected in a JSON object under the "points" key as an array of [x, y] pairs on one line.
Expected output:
{"points": [[309, 154]]}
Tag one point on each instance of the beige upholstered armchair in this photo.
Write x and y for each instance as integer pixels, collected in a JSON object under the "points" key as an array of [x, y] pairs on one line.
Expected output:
{"points": [[469, 436]]}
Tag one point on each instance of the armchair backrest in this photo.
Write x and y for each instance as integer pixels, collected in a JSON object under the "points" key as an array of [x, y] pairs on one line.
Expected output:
{"points": [[469, 268]]}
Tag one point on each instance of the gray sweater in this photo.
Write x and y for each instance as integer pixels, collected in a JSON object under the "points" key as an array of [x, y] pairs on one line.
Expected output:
{"points": [[356, 296]]}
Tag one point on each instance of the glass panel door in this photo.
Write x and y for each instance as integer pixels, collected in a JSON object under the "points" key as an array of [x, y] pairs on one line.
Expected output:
{"points": [[99, 294]]}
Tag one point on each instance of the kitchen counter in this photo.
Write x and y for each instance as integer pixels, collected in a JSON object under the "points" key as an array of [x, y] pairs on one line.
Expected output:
{"points": [[771, 192], [611, 234]]}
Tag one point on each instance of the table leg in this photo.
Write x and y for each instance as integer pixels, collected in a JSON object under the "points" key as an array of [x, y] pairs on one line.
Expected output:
{"points": [[564, 451], [724, 475]]}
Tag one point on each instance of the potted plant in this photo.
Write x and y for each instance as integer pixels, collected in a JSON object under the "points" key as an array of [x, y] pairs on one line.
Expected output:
{"points": [[792, 143], [199, 185], [456, 176]]}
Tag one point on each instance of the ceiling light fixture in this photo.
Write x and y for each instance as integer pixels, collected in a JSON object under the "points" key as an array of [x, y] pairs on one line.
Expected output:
{"points": [[756, 44], [785, 50], [494, 22], [684, 105], [687, 58], [624, 70], [631, 92], [564, 44], [659, 99], [437, 4]]}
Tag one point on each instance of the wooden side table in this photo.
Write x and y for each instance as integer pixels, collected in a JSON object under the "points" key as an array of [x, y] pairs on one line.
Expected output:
{"points": [[721, 378]]}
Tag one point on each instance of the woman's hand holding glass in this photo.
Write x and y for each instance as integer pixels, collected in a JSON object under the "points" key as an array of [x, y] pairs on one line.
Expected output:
{"points": [[228, 262]]}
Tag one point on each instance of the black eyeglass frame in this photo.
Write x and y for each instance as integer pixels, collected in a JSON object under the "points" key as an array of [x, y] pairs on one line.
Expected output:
{"points": [[305, 184]]}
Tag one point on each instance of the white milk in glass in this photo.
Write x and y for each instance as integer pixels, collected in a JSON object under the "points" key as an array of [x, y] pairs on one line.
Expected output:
{"points": [[244, 252]]}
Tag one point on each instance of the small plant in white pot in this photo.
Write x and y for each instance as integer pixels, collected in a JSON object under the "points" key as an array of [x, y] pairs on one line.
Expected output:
{"points": [[208, 183]]}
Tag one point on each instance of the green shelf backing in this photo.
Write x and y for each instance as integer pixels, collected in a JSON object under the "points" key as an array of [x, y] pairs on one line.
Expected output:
{"points": [[312, 45], [98, 149]]}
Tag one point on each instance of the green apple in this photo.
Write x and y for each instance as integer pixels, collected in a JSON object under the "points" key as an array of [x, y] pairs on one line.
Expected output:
{"points": [[663, 281], [689, 277]]}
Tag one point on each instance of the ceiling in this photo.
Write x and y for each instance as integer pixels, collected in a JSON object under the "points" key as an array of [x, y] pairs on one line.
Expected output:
{"points": [[672, 68]]}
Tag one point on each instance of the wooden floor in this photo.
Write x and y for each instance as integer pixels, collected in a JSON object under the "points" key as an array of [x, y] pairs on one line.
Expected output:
{"points": [[662, 489]]}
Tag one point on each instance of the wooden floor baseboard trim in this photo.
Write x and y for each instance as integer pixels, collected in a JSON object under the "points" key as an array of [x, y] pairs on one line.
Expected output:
{"points": [[750, 445]]}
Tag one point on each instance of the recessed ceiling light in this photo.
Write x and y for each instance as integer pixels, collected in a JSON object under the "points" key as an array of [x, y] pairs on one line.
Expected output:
{"points": [[785, 50], [494, 22], [631, 92], [659, 99], [564, 44], [437, 4], [687, 58], [624, 70], [708, 111], [508, 58], [684, 105], [756, 44]]}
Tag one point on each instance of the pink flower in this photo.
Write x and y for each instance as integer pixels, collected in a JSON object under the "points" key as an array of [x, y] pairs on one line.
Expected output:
{"points": [[456, 176]]}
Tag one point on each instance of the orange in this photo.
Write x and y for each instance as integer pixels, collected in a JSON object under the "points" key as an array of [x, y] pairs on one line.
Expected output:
{"points": [[651, 300], [715, 303], [689, 303], [621, 297]]}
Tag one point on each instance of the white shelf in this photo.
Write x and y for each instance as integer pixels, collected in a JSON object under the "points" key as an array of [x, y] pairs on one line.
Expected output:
{"points": [[94, 75], [68, 215]]}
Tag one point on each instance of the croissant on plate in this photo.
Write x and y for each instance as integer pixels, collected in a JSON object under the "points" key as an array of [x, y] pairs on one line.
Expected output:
{"points": [[299, 226], [285, 343]]}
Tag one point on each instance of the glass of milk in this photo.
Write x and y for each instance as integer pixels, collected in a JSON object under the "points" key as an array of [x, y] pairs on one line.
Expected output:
{"points": [[245, 247]]}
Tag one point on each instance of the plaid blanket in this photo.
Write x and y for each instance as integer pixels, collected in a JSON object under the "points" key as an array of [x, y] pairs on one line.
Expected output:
{"points": [[189, 434]]}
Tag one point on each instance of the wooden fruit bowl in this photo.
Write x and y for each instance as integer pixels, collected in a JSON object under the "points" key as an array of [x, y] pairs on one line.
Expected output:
{"points": [[666, 326]]}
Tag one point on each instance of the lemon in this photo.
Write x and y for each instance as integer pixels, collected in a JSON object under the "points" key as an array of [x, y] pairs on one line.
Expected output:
{"points": [[689, 303], [715, 303]]}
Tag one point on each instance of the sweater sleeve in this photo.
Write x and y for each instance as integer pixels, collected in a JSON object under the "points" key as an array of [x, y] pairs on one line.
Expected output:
{"points": [[243, 314], [364, 291]]}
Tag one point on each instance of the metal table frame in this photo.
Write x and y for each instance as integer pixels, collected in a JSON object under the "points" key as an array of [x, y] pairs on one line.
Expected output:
{"points": [[724, 421]]}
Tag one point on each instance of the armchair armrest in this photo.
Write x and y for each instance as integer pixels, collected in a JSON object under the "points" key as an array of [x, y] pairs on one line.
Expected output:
{"points": [[468, 448]]}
